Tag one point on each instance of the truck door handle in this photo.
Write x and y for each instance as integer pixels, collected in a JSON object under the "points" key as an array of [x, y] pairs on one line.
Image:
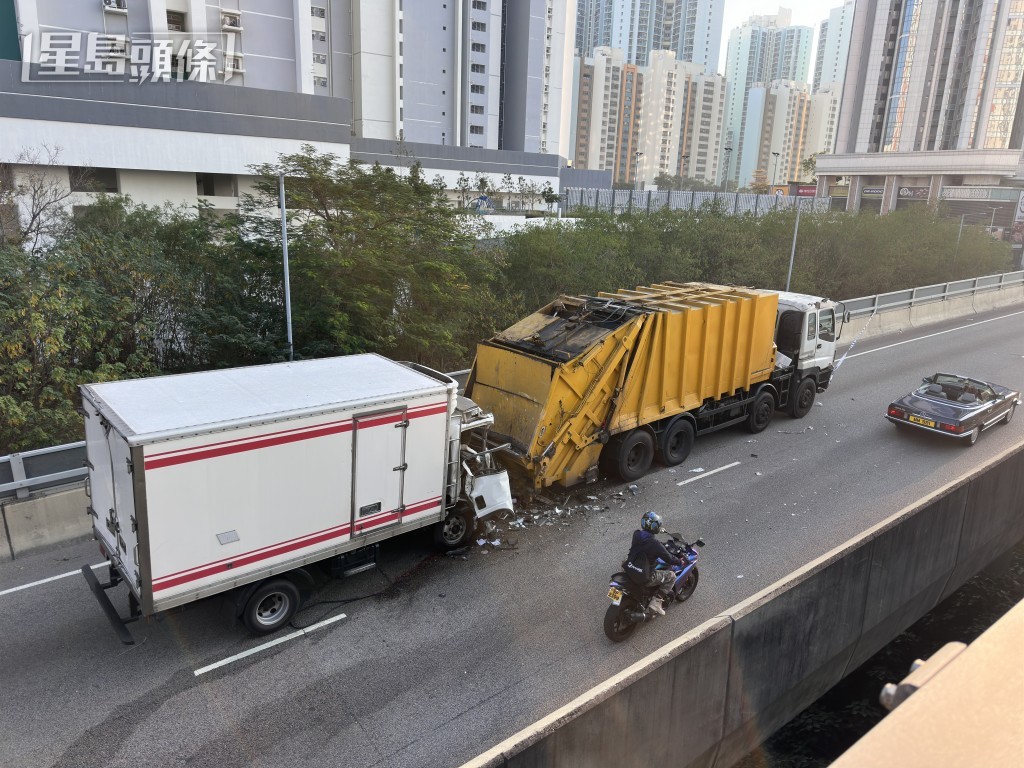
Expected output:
{"points": [[400, 468], [819, 346]]}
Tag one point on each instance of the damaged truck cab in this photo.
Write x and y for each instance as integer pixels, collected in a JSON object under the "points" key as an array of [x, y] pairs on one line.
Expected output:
{"points": [[613, 381]]}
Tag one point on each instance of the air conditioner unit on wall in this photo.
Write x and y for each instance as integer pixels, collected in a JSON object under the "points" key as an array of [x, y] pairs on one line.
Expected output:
{"points": [[232, 21], [115, 5]]}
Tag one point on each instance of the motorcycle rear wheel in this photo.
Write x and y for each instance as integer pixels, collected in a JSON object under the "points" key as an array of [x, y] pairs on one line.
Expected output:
{"points": [[687, 586], [617, 625]]}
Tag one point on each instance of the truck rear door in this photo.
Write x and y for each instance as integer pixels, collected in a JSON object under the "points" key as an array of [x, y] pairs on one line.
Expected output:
{"points": [[378, 470], [124, 506], [101, 477]]}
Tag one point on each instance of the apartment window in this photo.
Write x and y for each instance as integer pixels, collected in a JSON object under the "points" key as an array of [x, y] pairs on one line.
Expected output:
{"points": [[318, 12], [476, 89], [479, 26], [321, 81], [479, 5], [476, 109], [479, 48], [93, 179], [319, 58], [478, 68], [175, 21], [477, 129], [320, 36]]}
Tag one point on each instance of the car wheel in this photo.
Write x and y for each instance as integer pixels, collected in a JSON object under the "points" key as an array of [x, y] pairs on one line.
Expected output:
{"points": [[1009, 414], [803, 398], [973, 437], [675, 443], [761, 412]]}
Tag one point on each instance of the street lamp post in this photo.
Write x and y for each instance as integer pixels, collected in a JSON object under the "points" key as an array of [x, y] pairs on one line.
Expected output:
{"points": [[992, 224], [682, 167], [775, 173], [728, 166], [284, 253], [636, 169]]}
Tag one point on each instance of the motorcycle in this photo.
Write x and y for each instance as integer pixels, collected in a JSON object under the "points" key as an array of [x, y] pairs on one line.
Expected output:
{"points": [[629, 601]]}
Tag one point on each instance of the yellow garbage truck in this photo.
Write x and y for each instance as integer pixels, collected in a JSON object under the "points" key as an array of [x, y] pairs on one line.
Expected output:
{"points": [[609, 383]]}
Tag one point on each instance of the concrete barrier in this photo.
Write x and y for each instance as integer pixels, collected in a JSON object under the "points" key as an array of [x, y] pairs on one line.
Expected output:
{"points": [[787, 645], [48, 518]]}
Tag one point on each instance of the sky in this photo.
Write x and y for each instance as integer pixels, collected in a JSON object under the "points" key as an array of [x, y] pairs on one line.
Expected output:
{"points": [[806, 13]]}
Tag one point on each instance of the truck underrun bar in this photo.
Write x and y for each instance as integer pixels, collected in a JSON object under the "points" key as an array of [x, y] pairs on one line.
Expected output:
{"points": [[108, 607]]}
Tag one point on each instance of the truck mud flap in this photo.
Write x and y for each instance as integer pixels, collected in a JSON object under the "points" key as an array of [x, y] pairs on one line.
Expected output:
{"points": [[116, 621]]}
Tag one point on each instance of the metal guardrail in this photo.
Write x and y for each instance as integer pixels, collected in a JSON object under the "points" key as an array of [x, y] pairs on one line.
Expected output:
{"points": [[913, 297], [736, 203], [21, 473]]}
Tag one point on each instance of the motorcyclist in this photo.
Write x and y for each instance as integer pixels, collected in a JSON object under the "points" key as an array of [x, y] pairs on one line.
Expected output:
{"points": [[644, 552]]}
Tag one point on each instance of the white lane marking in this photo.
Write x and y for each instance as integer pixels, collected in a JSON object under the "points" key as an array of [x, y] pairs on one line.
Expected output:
{"points": [[702, 475], [932, 335], [271, 644], [97, 566]]}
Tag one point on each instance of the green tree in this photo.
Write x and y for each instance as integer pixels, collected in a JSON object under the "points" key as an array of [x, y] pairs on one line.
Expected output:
{"points": [[379, 263], [759, 183]]}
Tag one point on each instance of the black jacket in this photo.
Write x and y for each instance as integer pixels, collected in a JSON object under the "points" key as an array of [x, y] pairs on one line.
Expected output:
{"points": [[644, 552]]}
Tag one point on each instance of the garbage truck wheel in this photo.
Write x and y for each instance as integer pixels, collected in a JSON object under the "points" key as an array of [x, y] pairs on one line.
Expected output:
{"points": [[633, 454]]}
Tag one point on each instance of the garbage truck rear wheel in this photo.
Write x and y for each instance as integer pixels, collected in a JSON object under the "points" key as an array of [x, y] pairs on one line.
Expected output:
{"points": [[632, 454]]}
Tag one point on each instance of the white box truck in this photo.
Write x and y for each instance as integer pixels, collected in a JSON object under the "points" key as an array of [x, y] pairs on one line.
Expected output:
{"points": [[241, 479]]}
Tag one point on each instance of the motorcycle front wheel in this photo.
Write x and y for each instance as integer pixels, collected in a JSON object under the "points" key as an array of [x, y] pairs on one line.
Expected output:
{"points": [[617, 625], [687, 585]]}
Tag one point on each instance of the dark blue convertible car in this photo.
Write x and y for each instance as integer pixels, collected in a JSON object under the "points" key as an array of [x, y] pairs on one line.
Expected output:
{"points": [[957, 406]]}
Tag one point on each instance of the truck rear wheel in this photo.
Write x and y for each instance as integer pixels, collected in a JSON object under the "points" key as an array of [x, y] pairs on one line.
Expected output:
{"points": [[632, 454], [676, 442], [761, 412], [271, 606], [803, 398]]}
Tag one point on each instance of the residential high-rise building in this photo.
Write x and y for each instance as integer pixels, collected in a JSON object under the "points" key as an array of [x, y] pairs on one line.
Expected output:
{"points": [[690, 28], [681, 120], [933, 102], [693, 30], [777, 125], [593, 25], [761, 50], [478, 73], [833, 47], [639, 122], [609, 103], [823, 121]]}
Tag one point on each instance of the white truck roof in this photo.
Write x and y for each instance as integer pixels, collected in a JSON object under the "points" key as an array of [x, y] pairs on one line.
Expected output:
{"points": [[802, 301], [170, 406]]}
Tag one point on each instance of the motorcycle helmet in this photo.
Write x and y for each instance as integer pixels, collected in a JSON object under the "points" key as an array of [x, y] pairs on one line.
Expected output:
{"points": [[651, 521]]}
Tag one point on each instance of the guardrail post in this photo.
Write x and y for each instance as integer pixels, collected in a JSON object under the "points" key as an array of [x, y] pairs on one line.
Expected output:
{"points": [[18, 474]]}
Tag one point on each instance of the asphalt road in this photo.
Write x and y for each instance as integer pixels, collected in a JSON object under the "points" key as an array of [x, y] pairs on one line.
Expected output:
{"points": [[447, 656]]}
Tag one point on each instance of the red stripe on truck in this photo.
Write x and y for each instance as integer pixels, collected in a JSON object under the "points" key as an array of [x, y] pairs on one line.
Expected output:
{"points": [[223, 566], [226, 448]]}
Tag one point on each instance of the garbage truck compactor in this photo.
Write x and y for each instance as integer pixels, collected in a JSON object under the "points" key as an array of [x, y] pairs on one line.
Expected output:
{"points": [[612, 382]]}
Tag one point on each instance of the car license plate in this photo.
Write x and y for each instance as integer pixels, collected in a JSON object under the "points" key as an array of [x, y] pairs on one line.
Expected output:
{"points": [[615, 595], [922, 422]]}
